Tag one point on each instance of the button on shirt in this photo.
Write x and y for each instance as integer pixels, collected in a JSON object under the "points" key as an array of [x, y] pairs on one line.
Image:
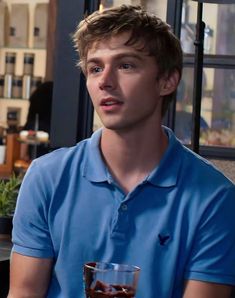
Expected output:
{"points": [[175, 225], [124, 207]]}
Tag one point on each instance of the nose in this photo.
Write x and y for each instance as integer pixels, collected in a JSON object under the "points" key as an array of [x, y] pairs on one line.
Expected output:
{"points": [[107, 79]]}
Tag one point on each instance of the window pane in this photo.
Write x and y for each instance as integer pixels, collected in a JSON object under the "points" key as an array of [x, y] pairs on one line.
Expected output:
{"points": [[219, 37], [217, 109]]}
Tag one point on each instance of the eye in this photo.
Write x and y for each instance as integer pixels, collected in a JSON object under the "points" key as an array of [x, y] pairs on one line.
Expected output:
{"points": [[94, 69], [126, 66]]}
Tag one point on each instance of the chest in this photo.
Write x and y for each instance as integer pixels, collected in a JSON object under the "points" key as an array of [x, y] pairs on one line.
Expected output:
{"points": [[99, 217]]}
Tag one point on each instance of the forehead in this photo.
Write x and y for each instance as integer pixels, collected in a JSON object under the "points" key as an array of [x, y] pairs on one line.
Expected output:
{"points": [[116, 43]]}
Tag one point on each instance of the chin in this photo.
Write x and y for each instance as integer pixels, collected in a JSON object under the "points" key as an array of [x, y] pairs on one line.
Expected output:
{"points": [[113, 125], [118, 127]]}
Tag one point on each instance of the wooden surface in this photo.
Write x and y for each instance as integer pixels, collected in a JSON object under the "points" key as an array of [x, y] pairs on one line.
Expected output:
{"points": [[51, 35], [12, 153]]}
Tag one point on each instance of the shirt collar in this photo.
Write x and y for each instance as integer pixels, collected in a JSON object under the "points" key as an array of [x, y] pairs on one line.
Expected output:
{"points": [[95, 169], [164, 175]]}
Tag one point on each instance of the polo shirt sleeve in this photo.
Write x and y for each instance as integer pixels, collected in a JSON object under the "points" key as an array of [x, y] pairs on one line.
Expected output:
{"points": [[212, 257], [31, 236]]}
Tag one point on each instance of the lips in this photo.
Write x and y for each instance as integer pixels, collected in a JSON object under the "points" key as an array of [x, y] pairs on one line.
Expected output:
{"points": [[110, 105], [110, 102]]}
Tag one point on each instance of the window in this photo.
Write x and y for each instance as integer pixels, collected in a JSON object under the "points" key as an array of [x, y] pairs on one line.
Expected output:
{"points": [[218, 84]]}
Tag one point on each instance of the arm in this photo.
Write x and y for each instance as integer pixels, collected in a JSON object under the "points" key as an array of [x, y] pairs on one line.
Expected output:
{"points": [[29, 277], [199, 289], [209, 272]]}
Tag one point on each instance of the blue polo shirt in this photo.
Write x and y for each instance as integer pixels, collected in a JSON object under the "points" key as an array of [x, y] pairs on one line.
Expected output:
{"points": [[177, 224]]}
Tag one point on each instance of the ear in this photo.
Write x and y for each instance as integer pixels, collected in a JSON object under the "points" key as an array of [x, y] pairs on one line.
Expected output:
{"points": [[170, 83]]}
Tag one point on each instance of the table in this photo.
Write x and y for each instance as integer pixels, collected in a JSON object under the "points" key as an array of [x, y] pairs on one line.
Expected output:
{"points": [[34, 142], [5, 251]]}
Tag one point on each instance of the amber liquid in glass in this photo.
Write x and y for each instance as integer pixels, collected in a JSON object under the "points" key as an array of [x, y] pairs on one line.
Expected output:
{"points": [[101, 290]]}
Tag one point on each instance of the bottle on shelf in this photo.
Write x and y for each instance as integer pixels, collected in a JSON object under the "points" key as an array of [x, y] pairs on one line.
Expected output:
{"points": [[17, 87], [28, 64], [26, 86], [27, 74], [10, 61]]}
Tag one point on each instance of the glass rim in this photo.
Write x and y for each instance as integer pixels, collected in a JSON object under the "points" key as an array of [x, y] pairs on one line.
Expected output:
{"points": [[114, 267]]}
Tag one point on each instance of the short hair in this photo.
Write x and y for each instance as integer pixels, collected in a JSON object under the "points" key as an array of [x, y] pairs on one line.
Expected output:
{"points": [[159, 40]]}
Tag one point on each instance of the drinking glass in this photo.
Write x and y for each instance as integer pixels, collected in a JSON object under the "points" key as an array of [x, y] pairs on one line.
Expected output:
{"points": [[102, 280]]}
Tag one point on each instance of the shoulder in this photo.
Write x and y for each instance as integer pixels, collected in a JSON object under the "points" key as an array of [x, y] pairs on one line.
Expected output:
{"points": [[61, 157], [209, 190], [203, 170], [49, 170], [61, 164], [196, 176], [191, 169]]}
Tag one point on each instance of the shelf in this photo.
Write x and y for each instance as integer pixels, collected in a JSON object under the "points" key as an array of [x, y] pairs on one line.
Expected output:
{"points": [[32, 2], [39, 67], [12, 153], [14, 99], [24, 49], [35, 142], [39, 60]]}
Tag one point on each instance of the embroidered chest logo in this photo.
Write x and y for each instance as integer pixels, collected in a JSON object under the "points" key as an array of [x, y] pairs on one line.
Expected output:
{"points": [[163, 239]]}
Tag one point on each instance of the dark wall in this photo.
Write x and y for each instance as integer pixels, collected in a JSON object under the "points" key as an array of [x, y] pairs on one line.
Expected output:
{"points": [[71, 108], [66, 75]]}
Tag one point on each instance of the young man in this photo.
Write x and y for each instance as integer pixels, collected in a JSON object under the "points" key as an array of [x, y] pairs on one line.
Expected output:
{"points": [[132, 193]]}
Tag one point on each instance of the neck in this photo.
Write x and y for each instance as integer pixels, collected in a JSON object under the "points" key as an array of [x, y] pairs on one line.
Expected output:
{"points": [[130, 157]]}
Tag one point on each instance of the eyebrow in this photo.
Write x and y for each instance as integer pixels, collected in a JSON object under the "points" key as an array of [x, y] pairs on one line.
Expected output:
{"points": [[116, 57]]}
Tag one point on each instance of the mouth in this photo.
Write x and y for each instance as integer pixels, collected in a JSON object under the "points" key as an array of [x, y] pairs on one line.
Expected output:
{"points": [[111, 105], [106, 102]]}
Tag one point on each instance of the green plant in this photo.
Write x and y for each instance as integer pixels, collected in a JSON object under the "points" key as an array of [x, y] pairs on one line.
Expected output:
{"points": [[8, 195]]}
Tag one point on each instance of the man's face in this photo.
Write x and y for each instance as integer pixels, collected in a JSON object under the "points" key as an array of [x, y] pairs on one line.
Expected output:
{"points": [[123, 84]]}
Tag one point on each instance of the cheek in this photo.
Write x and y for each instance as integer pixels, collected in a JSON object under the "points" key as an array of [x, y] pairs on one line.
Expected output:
{"points": [[91, 88], [88, 85], [144, 87]]}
